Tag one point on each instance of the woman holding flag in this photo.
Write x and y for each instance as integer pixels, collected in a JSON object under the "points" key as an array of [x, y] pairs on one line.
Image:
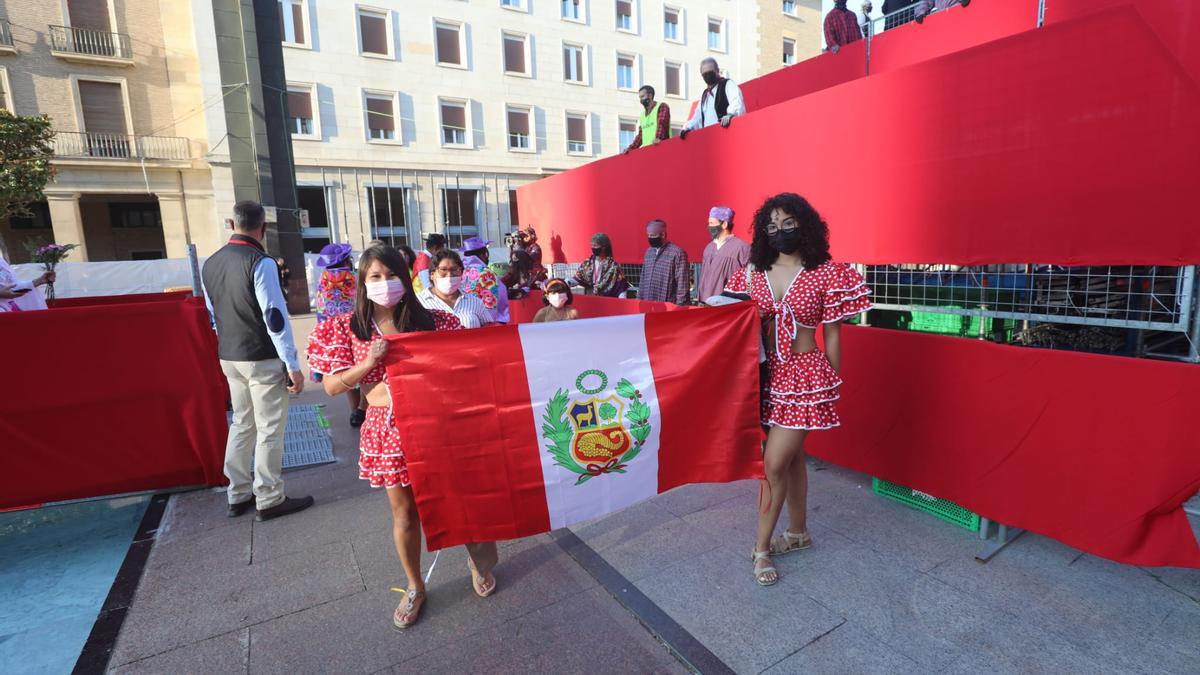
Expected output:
{"points": [[349, 351], [797, 289]]}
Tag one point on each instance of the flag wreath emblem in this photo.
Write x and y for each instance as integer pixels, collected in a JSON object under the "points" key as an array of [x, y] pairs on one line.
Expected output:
{"points": [[600, 434]]}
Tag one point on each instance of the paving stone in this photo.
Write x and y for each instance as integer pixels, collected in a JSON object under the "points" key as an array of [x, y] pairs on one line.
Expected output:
{"points": [[222, 654], [641, 541], [169, 613], [585, 633], [325, 522], [691, 498], [222, 548], [715, 598], [849, 649]]}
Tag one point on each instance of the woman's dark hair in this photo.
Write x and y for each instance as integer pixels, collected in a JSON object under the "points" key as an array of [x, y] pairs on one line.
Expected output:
{"points": [[443, 255], [409, 314], [560, 286], [410, 256], [602, 242], [814, 233]]}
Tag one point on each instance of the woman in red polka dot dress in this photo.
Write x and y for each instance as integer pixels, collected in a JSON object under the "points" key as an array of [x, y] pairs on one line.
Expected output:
{"points": [[797, 289], [348, 350]]}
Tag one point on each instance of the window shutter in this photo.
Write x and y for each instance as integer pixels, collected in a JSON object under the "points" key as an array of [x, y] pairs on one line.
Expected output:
{"points": [[374, 33], [300, 104], [298, 22], [103, 107], [518, 122], [379, 114], [514, 55], [454, 116], [89, 14], [576, 130], [673, 79], [447, 45]]}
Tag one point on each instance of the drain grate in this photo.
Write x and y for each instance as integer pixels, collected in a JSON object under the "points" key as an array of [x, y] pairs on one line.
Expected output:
{"points": [[306, 442]]}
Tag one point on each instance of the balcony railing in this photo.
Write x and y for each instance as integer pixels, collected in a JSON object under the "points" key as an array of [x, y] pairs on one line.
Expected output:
{"points": [[85, 43], [101, 145]]}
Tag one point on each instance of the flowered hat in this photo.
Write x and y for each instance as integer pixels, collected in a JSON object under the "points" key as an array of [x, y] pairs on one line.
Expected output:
{"points": [[333, 255]]}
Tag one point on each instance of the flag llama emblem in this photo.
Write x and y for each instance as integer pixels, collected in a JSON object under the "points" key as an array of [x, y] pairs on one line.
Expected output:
{"points": [[600, 434]]}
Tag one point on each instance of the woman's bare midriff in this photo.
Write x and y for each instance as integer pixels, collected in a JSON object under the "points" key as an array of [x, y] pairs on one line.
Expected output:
{"points": [[806, 339], [377, 394]]}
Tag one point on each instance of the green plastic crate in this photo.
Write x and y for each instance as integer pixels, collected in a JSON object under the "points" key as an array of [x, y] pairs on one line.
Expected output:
{"points": [[963, 325], [939, 508]]}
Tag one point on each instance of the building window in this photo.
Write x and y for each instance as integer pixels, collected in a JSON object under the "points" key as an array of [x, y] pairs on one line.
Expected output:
{"points": [[300, 107], [789, 51], [625, 16], [518, 5], [449, 44], [381, 116], [293, 23], [6, 101], [386, 208], [516, 54], [573, 10], [520, 126], [374, 37], [716, 34], [789, 7], [460, 209], [130, 215], [574, 66], [104, 120], [454, 123], [626, 71], [674, 77], [577, 143], [38, 219], [627, 131], [514, 217], [676, 129], [672, 24]]}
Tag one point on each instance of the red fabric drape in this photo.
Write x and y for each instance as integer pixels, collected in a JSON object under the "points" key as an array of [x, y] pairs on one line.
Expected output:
{"points": [[1098, 452], [1075, 144], [588, 306], [109, 399], [133, 298]]}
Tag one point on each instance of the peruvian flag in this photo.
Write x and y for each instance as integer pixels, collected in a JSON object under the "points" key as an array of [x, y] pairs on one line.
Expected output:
{"points": [[517, 430]]}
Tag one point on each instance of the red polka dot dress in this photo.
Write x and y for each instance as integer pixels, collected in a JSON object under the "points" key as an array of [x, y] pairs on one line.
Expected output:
{"points": [[803, 388], [333, 347]]}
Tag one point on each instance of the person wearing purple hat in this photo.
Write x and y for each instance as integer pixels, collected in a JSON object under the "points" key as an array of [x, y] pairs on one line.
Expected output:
{"points": [[724, 256], [481, 281], [335, 296]]}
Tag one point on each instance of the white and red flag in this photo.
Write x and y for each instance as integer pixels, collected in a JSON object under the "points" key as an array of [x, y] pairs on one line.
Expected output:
{"points": [[517, 430]]}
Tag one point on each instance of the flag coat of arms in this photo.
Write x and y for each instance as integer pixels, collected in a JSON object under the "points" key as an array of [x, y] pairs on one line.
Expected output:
{"points": [[516, 430]]}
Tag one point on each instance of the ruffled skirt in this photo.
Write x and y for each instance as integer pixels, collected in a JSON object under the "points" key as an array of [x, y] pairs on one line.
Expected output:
{"points": [[801, 392], [380, 459]]}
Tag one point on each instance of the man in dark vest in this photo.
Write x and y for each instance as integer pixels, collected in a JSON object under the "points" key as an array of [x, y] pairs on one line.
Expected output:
{"points": [[720, 102], [258, 357]]}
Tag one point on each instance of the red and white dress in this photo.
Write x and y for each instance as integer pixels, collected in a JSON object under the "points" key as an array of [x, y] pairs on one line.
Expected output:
{"points": [[802, 388], [333, 347]]}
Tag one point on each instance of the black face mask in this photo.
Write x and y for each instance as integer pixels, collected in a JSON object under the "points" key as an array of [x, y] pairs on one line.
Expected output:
{"points": [[714, 232], [597, 251], [710, 77], [646, 102], [656, 242], [785, 241]]}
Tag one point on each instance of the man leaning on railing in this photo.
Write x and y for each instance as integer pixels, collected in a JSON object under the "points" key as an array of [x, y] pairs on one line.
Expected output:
{"points": [[841, 27]]}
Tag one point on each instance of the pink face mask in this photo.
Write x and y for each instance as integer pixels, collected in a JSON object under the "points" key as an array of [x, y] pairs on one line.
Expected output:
{"points": [[386, 293], [556, 300]]}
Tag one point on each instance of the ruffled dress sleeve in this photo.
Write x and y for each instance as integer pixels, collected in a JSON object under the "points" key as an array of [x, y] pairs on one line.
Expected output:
{"points": [[329, 347], [445, 320], [846, 295], [737, 282]]}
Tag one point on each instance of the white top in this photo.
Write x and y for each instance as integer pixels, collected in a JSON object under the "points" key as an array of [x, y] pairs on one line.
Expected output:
{"points": [[706, 111], [468, 308], [30, 301]]}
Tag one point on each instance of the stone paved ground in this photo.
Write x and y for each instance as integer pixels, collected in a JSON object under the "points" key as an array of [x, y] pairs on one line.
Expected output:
{"points": [[885, 589]]}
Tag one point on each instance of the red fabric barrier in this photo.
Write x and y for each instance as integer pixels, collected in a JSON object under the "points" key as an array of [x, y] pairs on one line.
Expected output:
{"points": [[1098, 452], [112, 399], [1042, 147], [588, 306], [132, 298]]}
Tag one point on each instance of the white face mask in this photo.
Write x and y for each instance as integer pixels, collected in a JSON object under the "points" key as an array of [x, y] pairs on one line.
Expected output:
{"points": [[448, 285], [556, 300]]}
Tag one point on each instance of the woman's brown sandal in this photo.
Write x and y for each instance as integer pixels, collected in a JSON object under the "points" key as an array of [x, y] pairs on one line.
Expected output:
{"points": [[765, 575], [409, 609], [480, 583], [789, 542]]}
